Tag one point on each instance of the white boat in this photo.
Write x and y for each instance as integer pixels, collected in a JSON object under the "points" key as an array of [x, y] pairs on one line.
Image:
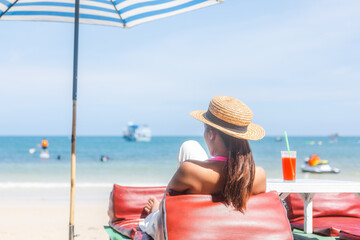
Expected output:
{"points": [[44, 154], [139, 133], [322, 167]]}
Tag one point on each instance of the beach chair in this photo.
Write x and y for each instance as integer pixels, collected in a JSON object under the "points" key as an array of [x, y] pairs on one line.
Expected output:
{"points": [[126, 210], [205, 217], [334, 214], [198, 216]]}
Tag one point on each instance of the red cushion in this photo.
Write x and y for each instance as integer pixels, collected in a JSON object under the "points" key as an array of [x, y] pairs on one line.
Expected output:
{"points": [[128, 208], [324, 205], [332, 212], [198, 216], [330, 226], [129, 202], [350, 235]]}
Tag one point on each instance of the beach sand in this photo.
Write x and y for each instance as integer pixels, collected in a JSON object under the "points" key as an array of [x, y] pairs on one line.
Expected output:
{"points": [[43, 213]]}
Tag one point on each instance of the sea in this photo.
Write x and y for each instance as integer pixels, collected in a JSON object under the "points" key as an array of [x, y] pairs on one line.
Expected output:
{"points": [[152, 163]]}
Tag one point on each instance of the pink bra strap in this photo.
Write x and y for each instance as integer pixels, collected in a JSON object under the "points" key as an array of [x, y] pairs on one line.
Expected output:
{"points": [[218, 158]]}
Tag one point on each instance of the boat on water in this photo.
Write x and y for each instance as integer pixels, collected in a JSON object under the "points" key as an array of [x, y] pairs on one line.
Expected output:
{"points": [[313, 164], [138, 133], [44, 154]]}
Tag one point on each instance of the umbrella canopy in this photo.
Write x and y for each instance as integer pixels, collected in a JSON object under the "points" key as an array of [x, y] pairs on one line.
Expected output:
{"points": [[121, 13]]}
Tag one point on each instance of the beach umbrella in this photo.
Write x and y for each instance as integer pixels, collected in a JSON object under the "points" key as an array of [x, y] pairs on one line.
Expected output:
{"points": [[121, 13]]}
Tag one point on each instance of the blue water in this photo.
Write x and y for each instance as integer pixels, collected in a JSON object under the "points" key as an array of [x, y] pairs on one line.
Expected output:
{"points": [[152, 163]]}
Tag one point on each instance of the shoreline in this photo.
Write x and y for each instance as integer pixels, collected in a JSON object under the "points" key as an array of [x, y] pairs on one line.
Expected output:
{"points": [[355, 177], [140, 182]]}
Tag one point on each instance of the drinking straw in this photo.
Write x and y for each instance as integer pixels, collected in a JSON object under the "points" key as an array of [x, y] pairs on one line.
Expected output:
{"points": [[287, 143], [288, 148]]}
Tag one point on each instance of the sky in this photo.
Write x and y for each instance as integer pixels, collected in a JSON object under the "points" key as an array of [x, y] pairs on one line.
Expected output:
{"points": [[296, 64]]}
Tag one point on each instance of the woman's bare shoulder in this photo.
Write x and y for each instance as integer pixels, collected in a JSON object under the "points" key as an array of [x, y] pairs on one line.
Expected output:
{"points": [[193, 168]]}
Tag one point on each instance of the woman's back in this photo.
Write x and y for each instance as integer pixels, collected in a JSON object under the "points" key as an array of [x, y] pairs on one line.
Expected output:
{"points": [[207, 177]]}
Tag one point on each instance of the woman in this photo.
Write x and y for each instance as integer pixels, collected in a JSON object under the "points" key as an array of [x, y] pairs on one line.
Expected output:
{"points": [[231, 173]]}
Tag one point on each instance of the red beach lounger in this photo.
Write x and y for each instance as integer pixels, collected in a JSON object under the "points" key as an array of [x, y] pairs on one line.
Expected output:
{"points": [[126, 208], [199, 216], [332, 212]]}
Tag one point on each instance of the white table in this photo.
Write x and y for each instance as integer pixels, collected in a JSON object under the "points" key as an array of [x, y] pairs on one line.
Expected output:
{"points": [[307, 188]]}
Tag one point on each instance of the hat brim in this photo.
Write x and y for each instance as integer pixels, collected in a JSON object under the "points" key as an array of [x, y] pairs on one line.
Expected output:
{"points": [[254, 131]]}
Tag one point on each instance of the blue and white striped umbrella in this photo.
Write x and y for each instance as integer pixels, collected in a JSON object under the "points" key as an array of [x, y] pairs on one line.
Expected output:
{"points": [[121, 13]]}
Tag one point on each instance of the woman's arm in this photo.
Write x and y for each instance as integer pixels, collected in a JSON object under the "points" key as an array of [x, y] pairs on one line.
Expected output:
{"points": [[185, 179], [259, 185]]}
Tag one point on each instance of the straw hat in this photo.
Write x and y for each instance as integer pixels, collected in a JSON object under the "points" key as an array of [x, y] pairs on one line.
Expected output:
{"points": [[232, 117]]}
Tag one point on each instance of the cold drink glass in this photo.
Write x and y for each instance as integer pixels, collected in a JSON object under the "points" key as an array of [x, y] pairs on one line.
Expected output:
{"points": [[288, 165]]}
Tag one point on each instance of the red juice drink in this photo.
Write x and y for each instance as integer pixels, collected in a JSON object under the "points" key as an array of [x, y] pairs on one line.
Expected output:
{"points": [[288, 165]]}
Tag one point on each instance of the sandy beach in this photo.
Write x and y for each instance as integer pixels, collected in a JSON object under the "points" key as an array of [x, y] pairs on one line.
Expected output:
{"points": [[43, 213]]}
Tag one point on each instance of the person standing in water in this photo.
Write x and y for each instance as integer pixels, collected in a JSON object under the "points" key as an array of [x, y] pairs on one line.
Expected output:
{"points": [[44, 144]]}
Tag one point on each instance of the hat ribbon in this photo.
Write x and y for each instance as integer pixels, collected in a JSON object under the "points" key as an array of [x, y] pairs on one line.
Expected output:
{"points": [[212, 118]]}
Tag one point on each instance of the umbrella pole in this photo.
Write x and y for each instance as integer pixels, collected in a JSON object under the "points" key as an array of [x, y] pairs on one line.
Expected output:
{"points": [[73, 134], [73, 174]]}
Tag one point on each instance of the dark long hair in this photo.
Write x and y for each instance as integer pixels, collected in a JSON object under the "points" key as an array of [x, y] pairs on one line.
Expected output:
{"points": [[239, 171]]}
